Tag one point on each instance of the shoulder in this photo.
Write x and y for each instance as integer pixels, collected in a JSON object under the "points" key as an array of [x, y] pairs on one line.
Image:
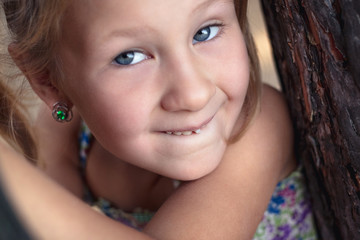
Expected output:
{"points": [[274, 120], [278, 131], [269, 137], [273, 104], [274, 115]]}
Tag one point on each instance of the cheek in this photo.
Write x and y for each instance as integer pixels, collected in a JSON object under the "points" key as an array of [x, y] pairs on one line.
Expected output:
{"points": [[117, 112], [110, 103], [240, 79], [230, 53], [116, 124], [111, 110], [235, 70]]}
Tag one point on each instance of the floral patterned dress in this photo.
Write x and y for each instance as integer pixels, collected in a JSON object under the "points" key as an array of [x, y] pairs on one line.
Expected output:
{"points": [[288, 216]]}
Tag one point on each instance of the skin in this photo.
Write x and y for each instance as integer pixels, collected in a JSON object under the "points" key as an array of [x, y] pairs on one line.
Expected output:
{"points": [[186, 214], [237, 180], [230, 202], [176, 84], [49, 211], [57, 210]]}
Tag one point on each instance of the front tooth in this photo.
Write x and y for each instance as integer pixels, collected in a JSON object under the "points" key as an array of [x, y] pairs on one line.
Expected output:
{"points": [[187, 133], [198, 131], [177, 133], [169, 133]]}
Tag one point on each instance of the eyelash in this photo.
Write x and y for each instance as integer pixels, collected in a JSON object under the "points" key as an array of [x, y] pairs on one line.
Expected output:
{"points": [[135, 57], [146, 56], [221, 27]]}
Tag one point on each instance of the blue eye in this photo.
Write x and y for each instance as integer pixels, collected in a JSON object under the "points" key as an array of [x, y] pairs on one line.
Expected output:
{"points": [[206, 34], [130, 58]]}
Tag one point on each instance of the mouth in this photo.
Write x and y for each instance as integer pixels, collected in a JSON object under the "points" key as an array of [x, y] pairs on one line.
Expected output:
{"points": [[188, 131], [184, 133]]}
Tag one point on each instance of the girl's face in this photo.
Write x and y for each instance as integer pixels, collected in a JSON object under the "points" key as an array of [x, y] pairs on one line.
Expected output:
{"points": [[160, 83]]}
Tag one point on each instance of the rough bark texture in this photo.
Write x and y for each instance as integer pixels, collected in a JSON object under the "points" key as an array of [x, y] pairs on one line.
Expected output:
{"points": [[316, 46]]}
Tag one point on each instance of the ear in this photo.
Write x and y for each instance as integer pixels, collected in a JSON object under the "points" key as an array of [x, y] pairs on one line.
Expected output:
{"points": [[39, 82]]}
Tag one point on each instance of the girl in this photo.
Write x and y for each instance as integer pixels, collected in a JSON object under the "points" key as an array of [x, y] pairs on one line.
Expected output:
{"points": [[166, 96]]}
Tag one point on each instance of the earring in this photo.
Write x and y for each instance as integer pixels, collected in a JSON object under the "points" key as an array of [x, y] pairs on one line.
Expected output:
{"points": [[61, 112]]}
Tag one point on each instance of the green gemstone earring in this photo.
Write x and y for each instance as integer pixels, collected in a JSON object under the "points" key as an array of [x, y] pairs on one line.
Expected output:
{"points": [[61, 112]]}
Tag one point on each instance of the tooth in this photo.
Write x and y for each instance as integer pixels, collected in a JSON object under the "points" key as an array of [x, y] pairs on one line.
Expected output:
{"points": [[187, 133]]}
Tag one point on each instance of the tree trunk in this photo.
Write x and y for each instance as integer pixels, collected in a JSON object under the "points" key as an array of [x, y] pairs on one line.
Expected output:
{"points": [[316, 46]]}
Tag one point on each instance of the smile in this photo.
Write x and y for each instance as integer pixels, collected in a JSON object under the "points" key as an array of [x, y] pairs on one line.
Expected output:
{"points": [[185, 133], [189, 131]]}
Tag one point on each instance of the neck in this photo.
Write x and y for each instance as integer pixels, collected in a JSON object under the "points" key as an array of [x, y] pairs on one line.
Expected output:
{"points": [[123, 184]]}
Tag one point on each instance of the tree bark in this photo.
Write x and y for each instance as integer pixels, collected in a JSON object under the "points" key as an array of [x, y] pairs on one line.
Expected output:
{"points": [[316, 46]]}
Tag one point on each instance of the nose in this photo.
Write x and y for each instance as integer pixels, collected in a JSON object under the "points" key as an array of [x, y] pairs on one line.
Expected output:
{"points": [[189, 86]]}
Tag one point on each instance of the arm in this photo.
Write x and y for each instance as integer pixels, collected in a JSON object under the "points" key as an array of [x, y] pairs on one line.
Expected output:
{"points": [[50, 212], [230, 202]]}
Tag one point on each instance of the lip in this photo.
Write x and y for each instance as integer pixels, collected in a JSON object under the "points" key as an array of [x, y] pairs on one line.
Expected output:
{"points": [[190, 128]]}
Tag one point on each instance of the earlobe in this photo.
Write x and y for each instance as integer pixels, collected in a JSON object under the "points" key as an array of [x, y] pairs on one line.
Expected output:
{"points": [[39, 81]]}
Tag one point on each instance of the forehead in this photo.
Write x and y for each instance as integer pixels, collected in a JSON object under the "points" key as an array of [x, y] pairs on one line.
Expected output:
{"points": [[128, 11], [94, 19]]}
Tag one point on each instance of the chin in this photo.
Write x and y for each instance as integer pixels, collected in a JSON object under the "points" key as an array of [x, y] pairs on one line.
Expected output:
{"points": [[195, 172], [198, 166]]}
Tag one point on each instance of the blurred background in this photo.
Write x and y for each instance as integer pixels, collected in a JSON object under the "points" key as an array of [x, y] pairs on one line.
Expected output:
{"points": [[258, 29]]}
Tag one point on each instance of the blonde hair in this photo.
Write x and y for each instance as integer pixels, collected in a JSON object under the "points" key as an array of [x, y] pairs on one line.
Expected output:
{"points": [[253, 95], [13, 126], [32, 27], [35, 28]]}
